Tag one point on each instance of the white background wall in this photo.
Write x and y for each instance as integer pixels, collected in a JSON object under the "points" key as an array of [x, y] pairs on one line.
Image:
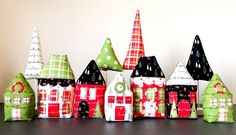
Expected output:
{"points": [[79, 27]]}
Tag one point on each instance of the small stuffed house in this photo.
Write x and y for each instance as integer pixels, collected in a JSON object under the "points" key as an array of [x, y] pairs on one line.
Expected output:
{"points": [[107, 59], [89, 93], [148, 87], [181, 94], [118, 101], [56, 88], [136, 48], [19, 100], [217, 102]]}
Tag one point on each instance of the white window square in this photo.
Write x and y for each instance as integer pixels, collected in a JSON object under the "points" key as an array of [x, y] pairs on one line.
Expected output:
{"points": [[92, 93], [222, 102], [16, 114], [83, 93], [26, 100], [16, 100], [230, 103], [213, 102], [7, 100]]}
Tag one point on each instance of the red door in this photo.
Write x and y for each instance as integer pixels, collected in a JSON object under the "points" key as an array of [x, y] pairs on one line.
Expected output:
{"points": [[120, 113], [183, 109], [53, 110]]}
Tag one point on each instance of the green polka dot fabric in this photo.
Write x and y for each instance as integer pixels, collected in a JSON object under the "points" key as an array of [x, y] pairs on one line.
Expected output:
{"points": [[19, 100], [107, 59]]}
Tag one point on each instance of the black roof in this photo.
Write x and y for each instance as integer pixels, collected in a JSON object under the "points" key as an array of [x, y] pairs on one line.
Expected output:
{"points": [[147, 67], [91, 75]]}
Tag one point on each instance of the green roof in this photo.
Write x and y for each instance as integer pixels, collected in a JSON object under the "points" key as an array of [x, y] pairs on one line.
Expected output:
{"points": [[58, 67], [19, 85], [210, 87]]}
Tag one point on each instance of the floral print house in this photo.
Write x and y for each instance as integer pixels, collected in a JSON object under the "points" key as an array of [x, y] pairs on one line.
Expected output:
{"points": [[148, 87], [56, 88]]}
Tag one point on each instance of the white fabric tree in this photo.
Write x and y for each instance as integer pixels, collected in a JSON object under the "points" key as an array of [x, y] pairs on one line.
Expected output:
{"points": [[35, 60]]}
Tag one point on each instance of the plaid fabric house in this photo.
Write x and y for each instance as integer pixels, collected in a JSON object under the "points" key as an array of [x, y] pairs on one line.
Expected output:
{"points": [[181, 94], [89, 93], [136, 48], [148, 87], [56, 88], [118, 101], [217, 102], [19, 100]]}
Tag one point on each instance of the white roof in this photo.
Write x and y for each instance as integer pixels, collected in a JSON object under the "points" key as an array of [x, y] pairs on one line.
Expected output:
{"points": [[181, 76]]}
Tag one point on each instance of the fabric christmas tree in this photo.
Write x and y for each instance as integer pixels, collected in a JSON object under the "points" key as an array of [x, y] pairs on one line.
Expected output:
{"points": [[193, 111], [136, 48], [148, 86], [217, 102], [98, 113], [198, 65], [173, 112], [89, 93], [35, 60], [181, 90], [107, 59], [19, 100]]}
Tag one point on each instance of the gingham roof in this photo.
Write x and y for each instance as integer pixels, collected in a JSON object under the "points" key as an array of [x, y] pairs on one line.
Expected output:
{"points": [[58, 67]]}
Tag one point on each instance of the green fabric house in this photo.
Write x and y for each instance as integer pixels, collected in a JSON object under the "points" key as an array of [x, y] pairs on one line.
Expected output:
{"points": [[217, 102], [19, 100]]}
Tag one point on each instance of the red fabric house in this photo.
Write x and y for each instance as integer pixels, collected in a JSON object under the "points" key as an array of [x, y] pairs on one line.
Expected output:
{"points": [[89, 93]]}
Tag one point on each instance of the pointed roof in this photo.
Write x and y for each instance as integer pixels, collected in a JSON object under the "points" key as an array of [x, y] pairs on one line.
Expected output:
{"points": [[91, 75], [148, 67], [58, 67], [198, 65], [19, 85], [107, 59], [180, 76], [136, 48], [118, 85], [35, 60], [215, 80]]}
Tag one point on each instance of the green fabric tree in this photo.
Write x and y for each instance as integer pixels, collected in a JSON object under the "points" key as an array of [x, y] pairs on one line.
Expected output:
{"points": [[173, 112], [98, 113], [19, 100], [107, 59], [193, 114]]}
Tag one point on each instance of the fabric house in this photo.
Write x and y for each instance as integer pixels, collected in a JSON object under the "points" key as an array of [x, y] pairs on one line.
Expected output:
{"points": [[19, 100], [56, 88], [148, 87], [181, 94], [89, 93], [118, 101], [217, 102], [136, 47]]}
